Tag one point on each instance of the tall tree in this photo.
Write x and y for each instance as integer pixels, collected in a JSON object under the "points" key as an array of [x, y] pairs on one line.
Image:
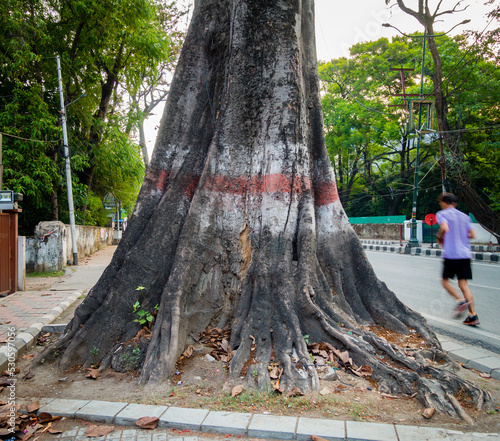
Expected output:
{"points": [[373, 154], [428, 17], [106, 48], [239, 224]]}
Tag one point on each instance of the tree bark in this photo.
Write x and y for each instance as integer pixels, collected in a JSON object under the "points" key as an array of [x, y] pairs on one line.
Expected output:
{"points": [[238, 223]]}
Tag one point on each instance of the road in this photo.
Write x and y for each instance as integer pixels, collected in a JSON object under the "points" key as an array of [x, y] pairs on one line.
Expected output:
{"points": [[416, 281]]}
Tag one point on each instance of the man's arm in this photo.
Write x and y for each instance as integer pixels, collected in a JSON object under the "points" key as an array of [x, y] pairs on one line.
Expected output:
{"points": [[443, 229]]}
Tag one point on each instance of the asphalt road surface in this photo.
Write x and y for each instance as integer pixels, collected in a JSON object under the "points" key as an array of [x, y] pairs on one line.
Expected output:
{"points": [[416, 280]]}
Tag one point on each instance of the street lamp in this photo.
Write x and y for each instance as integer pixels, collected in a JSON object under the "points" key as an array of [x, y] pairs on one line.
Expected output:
{"points": [[413, 242]]}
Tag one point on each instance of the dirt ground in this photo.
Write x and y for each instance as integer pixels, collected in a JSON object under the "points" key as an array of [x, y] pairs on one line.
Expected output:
{"points": [[200, 383]]}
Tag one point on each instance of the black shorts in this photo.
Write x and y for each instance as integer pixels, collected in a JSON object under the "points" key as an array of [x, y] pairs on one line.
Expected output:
{"points": [[457, 267]]}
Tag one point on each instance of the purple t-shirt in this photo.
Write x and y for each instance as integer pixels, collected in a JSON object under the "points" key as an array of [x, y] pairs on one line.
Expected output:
{"points": [[456, 239]]}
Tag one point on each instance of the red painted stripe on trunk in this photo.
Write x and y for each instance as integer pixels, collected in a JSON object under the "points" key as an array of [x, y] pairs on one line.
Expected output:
{"points": [[324, 193], [276, 183]]}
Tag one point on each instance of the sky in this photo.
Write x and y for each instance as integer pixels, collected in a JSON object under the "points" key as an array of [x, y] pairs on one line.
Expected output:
{"points": [[343, 23]]}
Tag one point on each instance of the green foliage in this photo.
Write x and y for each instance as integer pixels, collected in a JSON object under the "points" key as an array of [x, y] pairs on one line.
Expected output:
{"points": [[106, 48], [371, 145], [143, 317], [46, 274]]}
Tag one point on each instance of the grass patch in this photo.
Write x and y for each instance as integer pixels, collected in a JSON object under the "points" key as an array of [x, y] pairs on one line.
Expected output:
{"points": [[46, 274], [252, 401]]}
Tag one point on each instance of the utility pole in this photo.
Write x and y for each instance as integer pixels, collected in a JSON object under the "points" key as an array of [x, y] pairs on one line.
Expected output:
{"points": [[413, 242], [69, 185]]}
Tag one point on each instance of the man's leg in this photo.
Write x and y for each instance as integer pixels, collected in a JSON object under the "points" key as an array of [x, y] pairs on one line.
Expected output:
{"points": [[464, 287], [450, 288]]}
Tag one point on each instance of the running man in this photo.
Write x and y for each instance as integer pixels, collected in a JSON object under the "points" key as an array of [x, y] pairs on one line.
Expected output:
{"points": [[455, 230]]}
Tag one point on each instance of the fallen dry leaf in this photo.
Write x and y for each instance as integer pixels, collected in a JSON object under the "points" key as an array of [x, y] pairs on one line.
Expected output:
{"points": [[45, 417], [8, 373], [237, 390], [324, 391], [317, 438], [295, 392], [28, 356], [33, 407], [92, 373], [29, 375], [54, 431], [383, 394], [189, 351], [427, 413], [275, 373], [96, 431], [148, 422]]}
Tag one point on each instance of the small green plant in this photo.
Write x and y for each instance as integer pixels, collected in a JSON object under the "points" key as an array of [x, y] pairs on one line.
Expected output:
{"points": [[140, 288], [306, 339], [94, 351], [143, 316], [55, 351], [46, 274], [132, 360], [357, 410]]}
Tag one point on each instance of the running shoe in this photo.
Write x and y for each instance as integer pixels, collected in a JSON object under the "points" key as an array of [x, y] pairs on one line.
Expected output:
{"points": [[471, 320], [460, 308]]}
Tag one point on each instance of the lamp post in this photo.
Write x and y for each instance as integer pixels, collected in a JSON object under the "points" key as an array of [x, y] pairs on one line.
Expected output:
{"points": [[413, 242]]}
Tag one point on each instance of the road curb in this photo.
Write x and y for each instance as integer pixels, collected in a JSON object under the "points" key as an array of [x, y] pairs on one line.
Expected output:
{"points": [[242, 424], [390, 247], [23, 341]]}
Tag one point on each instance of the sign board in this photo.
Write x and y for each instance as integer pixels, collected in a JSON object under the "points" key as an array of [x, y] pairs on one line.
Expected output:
{"points": [[430, 219], [6, 200]]}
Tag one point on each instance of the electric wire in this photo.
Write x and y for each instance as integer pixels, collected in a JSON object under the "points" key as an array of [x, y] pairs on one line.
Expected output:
{"points": [[27, 139]]}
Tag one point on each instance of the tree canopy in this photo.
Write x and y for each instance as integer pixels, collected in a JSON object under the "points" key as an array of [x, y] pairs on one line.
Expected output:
{"points": [[109, 50], [370, 144]]}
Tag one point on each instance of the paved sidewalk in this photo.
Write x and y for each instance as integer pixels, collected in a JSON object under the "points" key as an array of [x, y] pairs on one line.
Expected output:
{"points": [[25, 313], [178, 424]]}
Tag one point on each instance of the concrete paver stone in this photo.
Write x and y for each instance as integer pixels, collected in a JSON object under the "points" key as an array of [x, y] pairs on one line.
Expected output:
{"points": [[417, 433], [28, 339], [484, 364], [100, 411], [63, 407], [159, 436], [129, 434], [466, 354], [451, 345], [35, 329], [180, 418], [495, 373], [357, 431], [232, 423], [144, 435], [132, 412], [114, 436], [272, 426], [332, 430]]}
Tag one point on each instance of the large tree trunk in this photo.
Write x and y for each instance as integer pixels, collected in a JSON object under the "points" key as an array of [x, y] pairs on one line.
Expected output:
{"points": [[239, 224]]}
